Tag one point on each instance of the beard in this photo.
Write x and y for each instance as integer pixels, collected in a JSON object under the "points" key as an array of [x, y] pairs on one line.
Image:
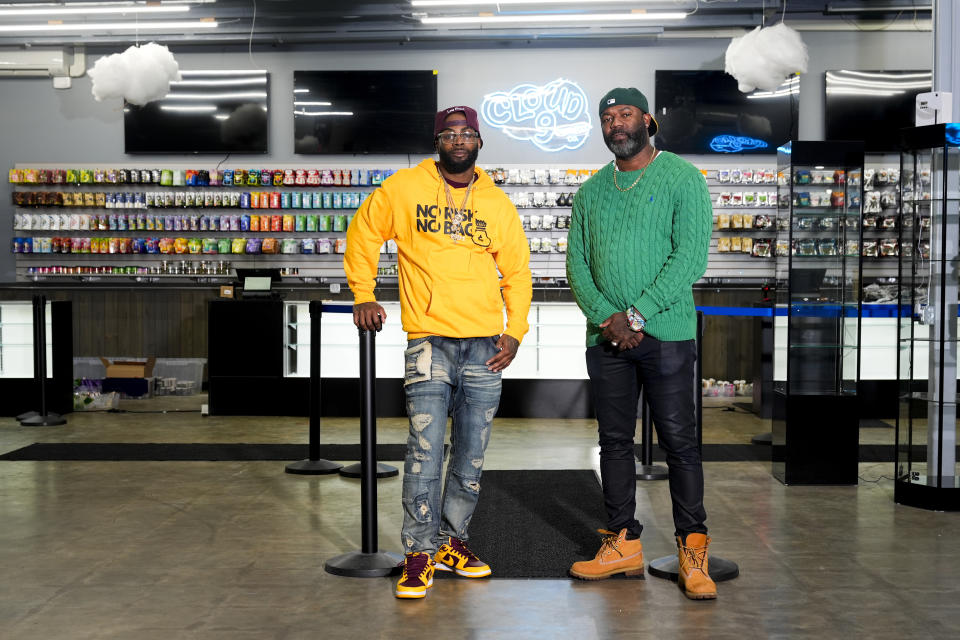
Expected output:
{"points": [[634, 143], [458, 166]]}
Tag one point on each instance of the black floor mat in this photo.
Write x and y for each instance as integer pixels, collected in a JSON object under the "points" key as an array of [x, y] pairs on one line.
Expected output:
{"points": [[535, 524], [194, 451]]}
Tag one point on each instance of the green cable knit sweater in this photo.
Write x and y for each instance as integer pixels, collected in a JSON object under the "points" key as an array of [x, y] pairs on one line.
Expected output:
{"points": [[644, 247]]}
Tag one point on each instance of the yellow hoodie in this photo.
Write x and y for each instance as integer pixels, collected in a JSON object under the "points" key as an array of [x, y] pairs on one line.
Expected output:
{"points": [[448, 287]]}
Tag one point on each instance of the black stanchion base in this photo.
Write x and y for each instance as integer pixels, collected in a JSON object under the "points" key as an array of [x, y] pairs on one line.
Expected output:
{"points": [[27, 415], [762, 438], [651, 472], [49, 420], [383, 471], [357, 564], [667, 568], [313, 467]]}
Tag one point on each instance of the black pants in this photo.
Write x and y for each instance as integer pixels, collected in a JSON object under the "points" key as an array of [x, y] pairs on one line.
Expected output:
{"points": [[664, 370]]}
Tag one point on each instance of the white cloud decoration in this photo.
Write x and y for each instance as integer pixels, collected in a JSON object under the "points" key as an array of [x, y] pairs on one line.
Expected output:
{"points": [[762, 58], [138, 75]]}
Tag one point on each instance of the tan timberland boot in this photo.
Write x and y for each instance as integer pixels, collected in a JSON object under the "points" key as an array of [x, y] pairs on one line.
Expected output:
{"points": [[693, 576], [616, 555]]}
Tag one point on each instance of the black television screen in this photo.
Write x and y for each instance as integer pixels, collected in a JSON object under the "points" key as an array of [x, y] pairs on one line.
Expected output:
{"points": [[872, 105], [364, 111], [205, 112], [705, 112]]}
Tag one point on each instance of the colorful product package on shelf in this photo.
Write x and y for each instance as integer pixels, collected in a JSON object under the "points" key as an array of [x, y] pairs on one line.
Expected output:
{"points": [[851, 248], [870, 248], [337, 200], [194, 245], [827, 247], [234, 224], [289, 177], [299, 223], [224, 245], [266, 177], [137, 245], [237, 245], [208, 245], [255, 223], [761, 248], [316, 200], [723, 244], [736, 244], [323, 245], [278, 177], [307, 245], [245, 222], [310, 222], [253, 245], [290, 245], [253, 178], [326, 200], [889, 247], [340, 245], [227, 178], [288, 222], [340, 223], [180, 245], [239, 177], [15, 176], [323, 223], [296, 199], [270, 245], [736, 221], [276, 223], [275, 200], [285, 198], [166, 245], [746, 245], [191, 177], [723, 221]]}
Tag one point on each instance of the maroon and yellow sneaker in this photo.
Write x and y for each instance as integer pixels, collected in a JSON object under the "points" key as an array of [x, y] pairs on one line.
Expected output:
{"points": [[417, 576], [455, 556]]}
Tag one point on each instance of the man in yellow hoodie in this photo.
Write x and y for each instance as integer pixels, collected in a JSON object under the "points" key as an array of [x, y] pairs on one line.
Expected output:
{"points": [[454, 230]]}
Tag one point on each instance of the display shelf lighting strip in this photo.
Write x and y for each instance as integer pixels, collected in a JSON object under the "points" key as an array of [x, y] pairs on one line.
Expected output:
{"points": [[478, 3], [66, 10], [76, 27], [554, 17]]}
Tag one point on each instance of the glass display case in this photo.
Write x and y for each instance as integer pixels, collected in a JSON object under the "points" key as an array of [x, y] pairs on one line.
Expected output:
{"points": [[926, 450], [16, 340], [815, 413]]}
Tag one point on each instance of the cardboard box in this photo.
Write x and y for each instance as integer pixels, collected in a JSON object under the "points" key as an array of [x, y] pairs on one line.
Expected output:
{"points": [[128, 368]]}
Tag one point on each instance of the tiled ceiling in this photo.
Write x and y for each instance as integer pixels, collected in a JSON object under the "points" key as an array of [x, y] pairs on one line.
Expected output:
{"points": [[391, 23]]}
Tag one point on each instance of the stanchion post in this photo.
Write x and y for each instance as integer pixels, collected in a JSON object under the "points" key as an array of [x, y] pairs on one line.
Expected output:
{"points": [[368, 417], [646, 470], [43, 418], [314, 465], [668, 567], [368, 562]]}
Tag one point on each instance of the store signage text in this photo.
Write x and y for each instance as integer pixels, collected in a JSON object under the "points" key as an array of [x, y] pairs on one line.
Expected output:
{"points": [[554, 116], [735, 144]]}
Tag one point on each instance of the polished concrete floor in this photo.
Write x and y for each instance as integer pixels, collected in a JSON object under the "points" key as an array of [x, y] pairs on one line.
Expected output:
{"points": [[235, 550]]}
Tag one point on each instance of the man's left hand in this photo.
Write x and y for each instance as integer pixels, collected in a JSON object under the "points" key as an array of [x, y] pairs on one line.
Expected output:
{"points": [[616, 329], [507, 345]]}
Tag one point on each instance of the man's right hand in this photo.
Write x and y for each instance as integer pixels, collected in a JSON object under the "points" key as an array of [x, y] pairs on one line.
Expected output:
{"points": [[369, 316]]}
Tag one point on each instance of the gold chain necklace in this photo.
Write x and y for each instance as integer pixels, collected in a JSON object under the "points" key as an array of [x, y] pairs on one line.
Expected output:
{"points": [[456, 231], [616, 171]]}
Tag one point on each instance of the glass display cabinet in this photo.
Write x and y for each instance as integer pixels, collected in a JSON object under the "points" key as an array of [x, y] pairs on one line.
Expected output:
{"points": [[815, 414], [926, 451]]}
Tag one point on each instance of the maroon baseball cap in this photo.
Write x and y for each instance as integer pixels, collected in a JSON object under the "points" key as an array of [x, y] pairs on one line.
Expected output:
{"points": [[471, 118]]}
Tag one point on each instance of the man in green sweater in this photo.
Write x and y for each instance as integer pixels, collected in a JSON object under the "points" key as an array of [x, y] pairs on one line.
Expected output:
{"points": [[638, 240]]}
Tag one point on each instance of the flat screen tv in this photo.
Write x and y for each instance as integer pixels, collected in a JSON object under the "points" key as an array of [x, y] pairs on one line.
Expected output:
{"points": [[705, 112], [364, 111], [872, 105], [219, 111]]}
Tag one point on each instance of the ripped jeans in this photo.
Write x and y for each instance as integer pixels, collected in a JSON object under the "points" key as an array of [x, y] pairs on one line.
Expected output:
{"points": [[445, 376]]}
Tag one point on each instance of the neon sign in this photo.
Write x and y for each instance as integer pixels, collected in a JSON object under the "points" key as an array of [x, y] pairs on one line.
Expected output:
{"points": [[553, 117], [733, 144]]}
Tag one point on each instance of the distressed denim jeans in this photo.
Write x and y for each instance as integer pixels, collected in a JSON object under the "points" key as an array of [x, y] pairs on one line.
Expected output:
{"points": [[445, 376]]}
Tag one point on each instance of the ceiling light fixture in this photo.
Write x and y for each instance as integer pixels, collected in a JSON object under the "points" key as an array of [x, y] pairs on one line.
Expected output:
{"points": [[68, 10], [554, 17], [469, 3], [186, 25]]}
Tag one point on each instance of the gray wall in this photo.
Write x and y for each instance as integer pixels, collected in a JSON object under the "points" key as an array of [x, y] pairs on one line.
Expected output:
{"points": [[41, 124]]}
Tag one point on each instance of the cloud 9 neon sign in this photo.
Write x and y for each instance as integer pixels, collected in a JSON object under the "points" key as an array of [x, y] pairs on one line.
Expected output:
{"points": [[553, 117], [733, 144]]}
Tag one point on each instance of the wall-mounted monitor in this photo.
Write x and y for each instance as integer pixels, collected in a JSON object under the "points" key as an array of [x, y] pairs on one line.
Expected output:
{"points": [[364, 111], [705, 112], [872, 105], [218, 111]]}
